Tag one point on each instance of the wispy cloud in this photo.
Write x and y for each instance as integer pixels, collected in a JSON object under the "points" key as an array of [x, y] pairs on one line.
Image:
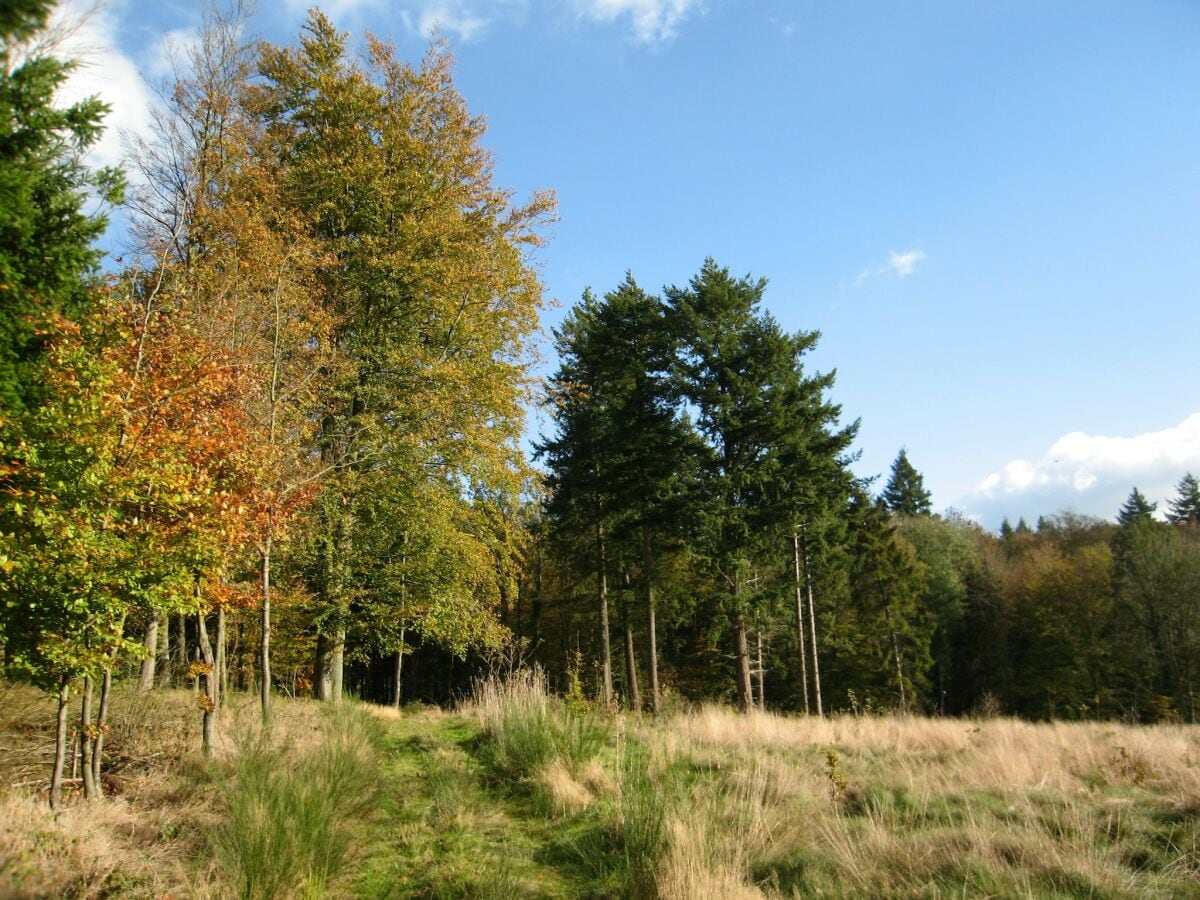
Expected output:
{"points": [[465, 20], [172, 52], [900, 263], [652, 21], [903, 263], [1090, 473], [88, 34]]}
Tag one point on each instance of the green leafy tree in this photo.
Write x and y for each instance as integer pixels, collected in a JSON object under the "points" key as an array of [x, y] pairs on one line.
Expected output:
{"points": [[426, 275], [905, 492]]}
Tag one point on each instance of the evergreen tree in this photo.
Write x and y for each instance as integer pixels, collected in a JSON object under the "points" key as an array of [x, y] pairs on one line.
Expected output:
{"points": [[47, 255], [745, 378], [1185, 508], [1136, 509], [905, 492]]}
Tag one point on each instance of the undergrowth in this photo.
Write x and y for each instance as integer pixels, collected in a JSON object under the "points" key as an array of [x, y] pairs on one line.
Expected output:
{"points": [[291, 810]]}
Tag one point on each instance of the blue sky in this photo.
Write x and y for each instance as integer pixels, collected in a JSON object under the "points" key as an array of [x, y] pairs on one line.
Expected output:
{"points": [[989, 209]]}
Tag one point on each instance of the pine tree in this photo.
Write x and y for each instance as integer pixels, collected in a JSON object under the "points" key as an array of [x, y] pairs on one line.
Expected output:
{"points": [[1185, 508], [1136, 509], [744, 376], [47, 252], [905, 492]]}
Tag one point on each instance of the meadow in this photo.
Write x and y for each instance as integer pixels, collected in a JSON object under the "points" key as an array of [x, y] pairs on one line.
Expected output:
{"points": [[518, 793]]}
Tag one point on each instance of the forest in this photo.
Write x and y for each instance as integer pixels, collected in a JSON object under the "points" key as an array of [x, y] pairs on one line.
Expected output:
{"points": [[277, 449]]}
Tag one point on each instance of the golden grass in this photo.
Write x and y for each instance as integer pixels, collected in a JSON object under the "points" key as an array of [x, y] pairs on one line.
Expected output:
{"points": [[146, 837], [892, 805]]}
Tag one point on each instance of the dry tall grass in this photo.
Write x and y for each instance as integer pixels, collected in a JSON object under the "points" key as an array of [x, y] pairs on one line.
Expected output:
{"points": [[730, 805], [148, 836]]}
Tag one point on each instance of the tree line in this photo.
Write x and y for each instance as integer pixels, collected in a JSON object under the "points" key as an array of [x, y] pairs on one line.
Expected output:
{"points": [[701, 508]]}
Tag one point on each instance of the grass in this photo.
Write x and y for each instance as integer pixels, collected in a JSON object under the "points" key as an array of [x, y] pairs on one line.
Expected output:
{"points": [[520, 795], [290, 811]]}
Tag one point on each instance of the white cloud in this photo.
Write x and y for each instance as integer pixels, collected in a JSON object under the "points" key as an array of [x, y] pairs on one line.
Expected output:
{"points": [[88, 35], [652, 20], [461, 19], [1090, 473], [902, 263], [172, 52]]}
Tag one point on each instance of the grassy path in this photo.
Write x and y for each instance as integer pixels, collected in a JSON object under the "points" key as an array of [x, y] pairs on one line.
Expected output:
{"points": [[448, 830]]}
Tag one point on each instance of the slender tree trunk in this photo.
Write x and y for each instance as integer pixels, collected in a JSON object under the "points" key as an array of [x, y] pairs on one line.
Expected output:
{"points": [[398, 674], [60, 742], [164, 653], [264, 658], [812, 630], [745, 693], [101, 726], [337, 665], [323, 668], [85, 739], [209, 701], [635, 701], [181, 651], [602, 590], [222, 675], [800, 621], [760, 671], [651, 628], [899, 672], [146, 681]]}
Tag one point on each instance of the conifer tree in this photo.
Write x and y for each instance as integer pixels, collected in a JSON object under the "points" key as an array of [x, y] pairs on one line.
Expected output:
{"points": [[1136, 509], [905, 492], [745, 377], [47, 252], [1185, 508]]}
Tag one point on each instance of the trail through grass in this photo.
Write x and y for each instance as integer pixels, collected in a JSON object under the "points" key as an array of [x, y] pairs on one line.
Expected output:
{"points": [[449, 827]]}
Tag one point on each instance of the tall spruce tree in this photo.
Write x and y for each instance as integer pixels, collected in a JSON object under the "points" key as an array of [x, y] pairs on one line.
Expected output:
{"points": [[905, 492], [1136, 509], [744, 376], [1185, 508], [47, 251]]}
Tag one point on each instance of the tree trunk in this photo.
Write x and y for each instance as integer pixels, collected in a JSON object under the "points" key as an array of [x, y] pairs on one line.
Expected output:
{"points": [[397, 683], [899, 672], [651, 636], [149, 663], [101, 727], [164, 653], [742, 649], [800, 621], [209, 700], [222, 674], [760, 671], [812, 631], [323, 668], [631, 683], [60, 743], [337, 668], [602, 590], [181, 651], [85, 739], [264, 658]]}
